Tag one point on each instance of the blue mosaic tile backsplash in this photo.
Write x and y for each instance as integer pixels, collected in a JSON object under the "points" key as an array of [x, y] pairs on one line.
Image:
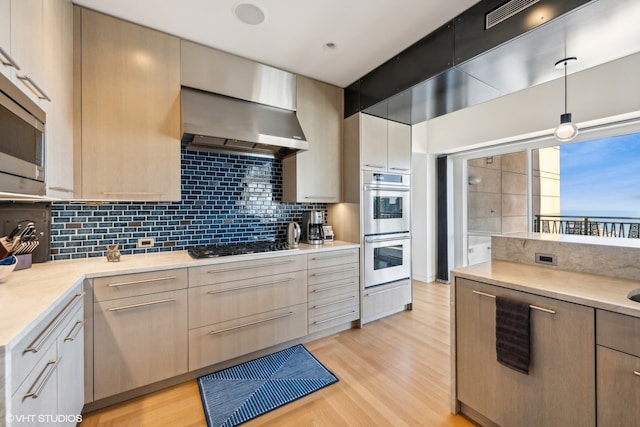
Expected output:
{"points": [[225, 199]]}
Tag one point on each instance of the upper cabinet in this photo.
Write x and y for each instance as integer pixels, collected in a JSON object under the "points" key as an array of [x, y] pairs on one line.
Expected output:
{"points": [[384, 145], [27, 48], [5, 37], [58, 60], [313, 176], [130, 109]]}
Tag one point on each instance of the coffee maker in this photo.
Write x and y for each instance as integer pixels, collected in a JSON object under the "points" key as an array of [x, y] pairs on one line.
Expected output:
{"points": [[312, 232]]}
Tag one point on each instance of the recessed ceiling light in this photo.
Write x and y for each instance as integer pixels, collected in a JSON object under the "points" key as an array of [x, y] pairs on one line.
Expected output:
{"points": [[329, 46], [249, 13]]}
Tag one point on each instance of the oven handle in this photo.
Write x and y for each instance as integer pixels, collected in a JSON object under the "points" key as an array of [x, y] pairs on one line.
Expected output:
{"points": [[370, 187], [376, 239]]}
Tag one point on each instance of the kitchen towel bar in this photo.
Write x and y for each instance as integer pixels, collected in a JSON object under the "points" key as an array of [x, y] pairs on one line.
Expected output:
{"points": [[535, 307]]}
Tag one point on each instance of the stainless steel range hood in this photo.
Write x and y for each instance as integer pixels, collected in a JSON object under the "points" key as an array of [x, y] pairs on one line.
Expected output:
{"points": [[233, 105], [224, 124]]}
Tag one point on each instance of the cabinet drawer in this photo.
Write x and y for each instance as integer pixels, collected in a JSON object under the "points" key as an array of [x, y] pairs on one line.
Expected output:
{"points": [[327, 259], [221, 302], [213, 344], [37, 394], [333, 273], [618, 331], [131, 285], [231, 271], [327, 312], [379, 301], [329, 289], [138, 341], [28, 351], [334, 318]]}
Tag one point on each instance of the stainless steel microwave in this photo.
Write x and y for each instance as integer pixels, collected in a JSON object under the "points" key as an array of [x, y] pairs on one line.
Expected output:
{"points": [[22, 124]]}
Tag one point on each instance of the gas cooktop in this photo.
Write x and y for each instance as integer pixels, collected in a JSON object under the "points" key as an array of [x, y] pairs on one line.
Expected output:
{"points": [[212, 251]]}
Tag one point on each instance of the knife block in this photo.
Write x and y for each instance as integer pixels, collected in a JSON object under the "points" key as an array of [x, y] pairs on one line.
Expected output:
{"points": [[24, 261]]}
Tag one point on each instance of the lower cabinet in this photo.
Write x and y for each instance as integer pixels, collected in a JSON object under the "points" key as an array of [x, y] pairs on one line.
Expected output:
{"points": [[383, 300], [139, 330], [560, 387], [334, 289], [47, 369], [618, 369], [239, 307]]}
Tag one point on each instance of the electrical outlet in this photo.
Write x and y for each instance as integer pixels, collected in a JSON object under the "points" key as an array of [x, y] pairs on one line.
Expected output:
{"points": [[145, 242]]}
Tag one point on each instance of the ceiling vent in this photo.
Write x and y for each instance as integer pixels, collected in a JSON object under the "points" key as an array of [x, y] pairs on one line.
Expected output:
{"points": [[506, 11]]}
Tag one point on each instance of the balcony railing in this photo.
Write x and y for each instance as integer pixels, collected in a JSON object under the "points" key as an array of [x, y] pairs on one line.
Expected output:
{"points": [[609, 226]]}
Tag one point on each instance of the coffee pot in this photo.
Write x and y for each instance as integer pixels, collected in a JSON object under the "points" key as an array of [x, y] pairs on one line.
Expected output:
{"points": [[312, 230], [293, 235]]}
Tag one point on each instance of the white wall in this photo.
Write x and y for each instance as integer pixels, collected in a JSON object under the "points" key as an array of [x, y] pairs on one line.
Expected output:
{"points": [[595, 96]]}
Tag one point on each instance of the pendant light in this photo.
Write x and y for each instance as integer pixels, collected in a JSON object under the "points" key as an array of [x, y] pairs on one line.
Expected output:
{"points": [[566, 130]]}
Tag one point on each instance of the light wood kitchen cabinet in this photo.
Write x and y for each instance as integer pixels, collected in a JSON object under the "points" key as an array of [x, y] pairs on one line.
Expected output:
{"points": [[46, 366], [139, 330], [618, 369], [5, 36], [560, 387], [130, 111], [27, 47], [58, 81], [398, 147], [314, 176], [240, 307], [385, 145], [383, 300], [334, 289], [373, 143]]}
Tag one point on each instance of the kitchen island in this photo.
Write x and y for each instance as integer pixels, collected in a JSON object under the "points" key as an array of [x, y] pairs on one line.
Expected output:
{"points": [[584, 332]]}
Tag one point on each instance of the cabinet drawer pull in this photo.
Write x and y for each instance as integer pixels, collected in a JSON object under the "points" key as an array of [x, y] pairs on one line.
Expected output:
{"points": [[61, 189], [321, 197], [535, 307], [53, 325], [318, 322], [75, 331], [142, 304], [141, 281], [289, 261], [33, 87], [384, 290], [131, 193], [321, 258], [374, 166], [400, 169], [251, 323], [334, 302], [257, 285], [636, 373], [8, 60], [34, 394], [326, 273], [330, 288]]}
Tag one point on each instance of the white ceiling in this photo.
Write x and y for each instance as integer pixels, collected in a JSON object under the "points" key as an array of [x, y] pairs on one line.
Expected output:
{"points": [[366, 32]]}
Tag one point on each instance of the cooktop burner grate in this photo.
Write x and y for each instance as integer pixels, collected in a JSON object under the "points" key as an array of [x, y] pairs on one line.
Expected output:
{"points": [[212, 251]]}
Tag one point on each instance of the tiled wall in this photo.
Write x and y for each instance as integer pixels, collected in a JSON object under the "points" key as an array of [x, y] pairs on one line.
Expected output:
{"points": [[225, 198]]}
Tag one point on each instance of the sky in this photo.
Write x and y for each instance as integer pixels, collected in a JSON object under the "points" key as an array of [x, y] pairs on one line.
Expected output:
{"points": [[601, 177]]}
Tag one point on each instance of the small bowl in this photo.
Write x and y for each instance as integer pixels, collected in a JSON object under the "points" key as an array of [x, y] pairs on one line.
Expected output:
{"points": [[7, 265]]}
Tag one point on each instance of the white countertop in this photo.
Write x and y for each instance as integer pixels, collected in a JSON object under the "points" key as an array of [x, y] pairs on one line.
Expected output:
{"points": [[26, 295], [602, 292]]}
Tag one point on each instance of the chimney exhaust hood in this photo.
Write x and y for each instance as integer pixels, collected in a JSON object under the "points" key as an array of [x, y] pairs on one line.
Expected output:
{"points": [[233, 105], [220, 123]]}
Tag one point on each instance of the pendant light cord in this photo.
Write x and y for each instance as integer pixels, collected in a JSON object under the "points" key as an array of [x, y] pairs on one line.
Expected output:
{"points": [[565, 87]]}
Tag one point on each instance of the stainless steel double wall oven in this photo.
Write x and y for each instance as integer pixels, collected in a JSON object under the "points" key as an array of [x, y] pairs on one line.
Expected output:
{"points": [[387, 225]]}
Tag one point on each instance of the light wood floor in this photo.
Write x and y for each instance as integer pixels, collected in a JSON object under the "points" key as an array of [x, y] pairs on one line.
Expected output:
{"points": [[393, 372]]}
